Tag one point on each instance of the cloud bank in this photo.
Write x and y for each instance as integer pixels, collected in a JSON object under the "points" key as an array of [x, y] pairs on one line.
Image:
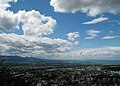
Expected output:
{"points": [[105, 53], [12, 44]]}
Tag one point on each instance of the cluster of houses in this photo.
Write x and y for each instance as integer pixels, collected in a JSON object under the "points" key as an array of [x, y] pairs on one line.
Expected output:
{"points": [[79, 76], [60, 75]]}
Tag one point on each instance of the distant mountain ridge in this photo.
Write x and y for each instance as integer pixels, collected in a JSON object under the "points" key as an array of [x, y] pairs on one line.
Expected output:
{"points": [[18, 59], [21, 59]]}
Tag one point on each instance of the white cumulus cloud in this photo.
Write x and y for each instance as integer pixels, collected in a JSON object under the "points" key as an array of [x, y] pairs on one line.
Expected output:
{"points": [[73, 35], [35, 23], [5, 3], [76, 43], [91, 7], [8, 20]]}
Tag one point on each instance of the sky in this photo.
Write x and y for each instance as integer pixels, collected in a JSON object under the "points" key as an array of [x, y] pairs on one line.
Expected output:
{"points": [[60, 29]]}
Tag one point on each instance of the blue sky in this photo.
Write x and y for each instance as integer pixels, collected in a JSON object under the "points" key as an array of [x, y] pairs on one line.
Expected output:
{"points": [[89, 28], [68, 22]]}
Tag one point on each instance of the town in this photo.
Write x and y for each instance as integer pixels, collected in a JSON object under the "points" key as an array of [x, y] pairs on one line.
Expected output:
{"points": [[59, 74]]}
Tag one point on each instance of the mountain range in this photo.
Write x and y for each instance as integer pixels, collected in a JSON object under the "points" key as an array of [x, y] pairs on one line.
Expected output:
{"points": [[18, 59]]}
